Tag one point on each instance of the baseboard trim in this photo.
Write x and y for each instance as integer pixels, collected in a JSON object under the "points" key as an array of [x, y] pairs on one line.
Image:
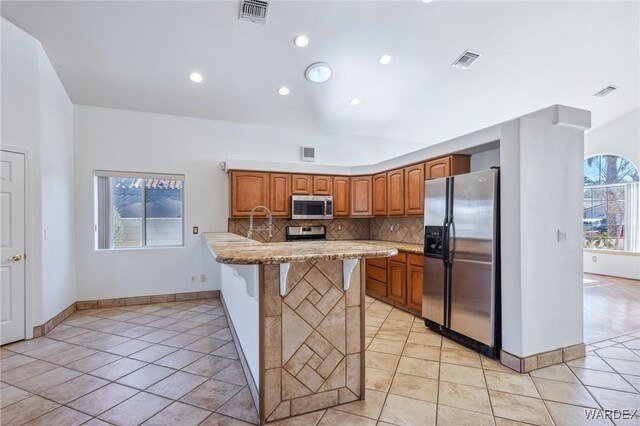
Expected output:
{"points": [[41, 330], [542, 359], [81, 305]]}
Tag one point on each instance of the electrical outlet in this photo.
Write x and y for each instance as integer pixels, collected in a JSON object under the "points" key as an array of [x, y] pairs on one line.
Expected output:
{"points": [[562, 236], [339, 227], [391, 227], [203, 278], [193, 278], [594, 259]]}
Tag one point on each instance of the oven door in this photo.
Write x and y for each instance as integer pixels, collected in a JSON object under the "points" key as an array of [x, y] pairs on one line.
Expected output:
{"points": [[308, 207]]}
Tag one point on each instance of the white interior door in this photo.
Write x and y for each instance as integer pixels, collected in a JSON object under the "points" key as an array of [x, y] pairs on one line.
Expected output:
{"points": [[12, 249]]}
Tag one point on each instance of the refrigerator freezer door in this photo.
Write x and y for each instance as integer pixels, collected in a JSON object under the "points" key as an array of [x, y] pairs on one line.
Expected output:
{"points": [[433, 289], [472, 245]]}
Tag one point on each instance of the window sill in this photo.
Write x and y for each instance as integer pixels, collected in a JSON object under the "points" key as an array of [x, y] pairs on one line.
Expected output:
{"points": [[613, 252], [140, 248]]}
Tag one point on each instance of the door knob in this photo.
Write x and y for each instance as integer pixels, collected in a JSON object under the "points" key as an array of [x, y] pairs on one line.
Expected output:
{"points": [[16, 257]]}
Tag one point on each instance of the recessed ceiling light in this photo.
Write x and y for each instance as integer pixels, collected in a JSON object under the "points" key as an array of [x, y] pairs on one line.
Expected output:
{"points": [[284, 91], [196, 77], [318, 72], [384, 59], [354, 102], [301, 40]]}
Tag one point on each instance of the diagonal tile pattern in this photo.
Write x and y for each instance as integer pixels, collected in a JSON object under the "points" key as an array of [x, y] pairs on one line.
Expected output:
{"points": [[413, 376], [161, 364]]}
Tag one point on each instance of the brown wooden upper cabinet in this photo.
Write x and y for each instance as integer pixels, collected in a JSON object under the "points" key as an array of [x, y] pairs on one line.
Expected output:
{"points": [[341, 196], [395, 192], [280, 194], [322, 185], [248, 189], [380, 195], [447, 166], [301, 184], [361, 196], [414, 190]]}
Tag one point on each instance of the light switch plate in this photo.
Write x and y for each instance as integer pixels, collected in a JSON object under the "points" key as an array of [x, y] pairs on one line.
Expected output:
{"points": [[195, 230]]}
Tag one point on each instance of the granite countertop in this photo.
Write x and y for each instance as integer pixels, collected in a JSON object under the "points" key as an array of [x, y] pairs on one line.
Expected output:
{"points": [[406, 247], [234, 249]]}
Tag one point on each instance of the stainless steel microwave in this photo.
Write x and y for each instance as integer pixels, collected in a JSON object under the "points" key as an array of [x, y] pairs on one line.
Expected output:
{"points": [[311, 207]]}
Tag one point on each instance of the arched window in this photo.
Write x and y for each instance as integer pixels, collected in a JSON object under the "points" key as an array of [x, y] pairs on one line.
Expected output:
{"points": [[611, 218]]}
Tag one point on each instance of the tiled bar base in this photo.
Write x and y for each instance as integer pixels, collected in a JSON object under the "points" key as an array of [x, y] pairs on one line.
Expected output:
{"points": [[312, 356], [543, 359]]}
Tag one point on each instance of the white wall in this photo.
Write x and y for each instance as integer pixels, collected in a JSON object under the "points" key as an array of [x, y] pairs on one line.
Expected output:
{"points": [[541, 193], [37, 116], [485, 160], [620, 137], [110, 139]]}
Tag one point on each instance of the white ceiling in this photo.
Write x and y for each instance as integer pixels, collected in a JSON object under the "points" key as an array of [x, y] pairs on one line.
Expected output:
{"points": [[138, 55]]}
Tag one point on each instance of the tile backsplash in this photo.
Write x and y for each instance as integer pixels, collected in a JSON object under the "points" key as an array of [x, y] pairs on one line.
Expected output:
{"points": [[337, 229], [401, 229]]}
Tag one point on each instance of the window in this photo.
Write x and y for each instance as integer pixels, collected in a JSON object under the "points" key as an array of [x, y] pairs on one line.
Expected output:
{"points": [[611, 218], [136, 210]]}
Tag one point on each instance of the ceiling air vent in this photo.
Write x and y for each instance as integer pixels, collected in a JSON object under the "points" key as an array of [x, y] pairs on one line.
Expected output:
{"points": [[466, 59], [604, 92], [308, 153], [254, 10]]}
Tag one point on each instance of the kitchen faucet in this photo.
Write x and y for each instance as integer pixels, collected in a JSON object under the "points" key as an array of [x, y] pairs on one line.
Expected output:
{"points": [[270, 224]]}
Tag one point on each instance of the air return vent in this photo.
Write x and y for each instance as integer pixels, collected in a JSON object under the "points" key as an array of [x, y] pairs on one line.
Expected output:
{"points": [[254, 10], [466, 59], [604, 92], [308, 153]]}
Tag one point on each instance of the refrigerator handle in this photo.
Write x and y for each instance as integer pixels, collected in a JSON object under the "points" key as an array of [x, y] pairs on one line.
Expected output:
{"points": [[451, 235], [445, 240]]}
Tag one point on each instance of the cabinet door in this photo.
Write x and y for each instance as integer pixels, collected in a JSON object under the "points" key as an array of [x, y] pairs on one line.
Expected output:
{"points": [[280, 194], [340, 196], [438, 168], [414, 190], [414, 287], [248, 189], [397, 282], [361, 195], [301, 185], [380, 195], [322, 185], [395, 192]]}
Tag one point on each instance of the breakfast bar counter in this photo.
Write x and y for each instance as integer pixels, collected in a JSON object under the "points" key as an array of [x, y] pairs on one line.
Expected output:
{"points": [[297, 313]]}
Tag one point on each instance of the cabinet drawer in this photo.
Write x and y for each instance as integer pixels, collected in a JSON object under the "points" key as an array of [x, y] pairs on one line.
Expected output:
{"points": [[380, 262], [376, 273], [377, 287], [415, 259], [400, 257]]}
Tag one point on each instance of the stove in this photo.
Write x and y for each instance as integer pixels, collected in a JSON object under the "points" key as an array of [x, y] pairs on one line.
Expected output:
{"points": [[305, 233]]}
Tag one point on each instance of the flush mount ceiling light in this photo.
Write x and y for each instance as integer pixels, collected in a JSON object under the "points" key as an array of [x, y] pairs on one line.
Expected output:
{"points": [[301, 40], [384, 59], [284, 91], [318, 72], [196, 77], [354, 102], [427, 1]]}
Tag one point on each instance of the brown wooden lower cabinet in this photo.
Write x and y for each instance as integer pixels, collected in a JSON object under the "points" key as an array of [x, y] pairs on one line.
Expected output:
{"points": [[397, 280]]}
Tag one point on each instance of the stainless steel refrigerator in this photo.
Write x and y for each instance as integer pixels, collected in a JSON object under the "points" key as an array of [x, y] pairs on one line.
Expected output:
{"points": [[461, 290]]}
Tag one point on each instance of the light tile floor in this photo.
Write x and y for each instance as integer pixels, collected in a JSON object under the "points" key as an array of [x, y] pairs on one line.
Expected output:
{"points": [[175, 364]]}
